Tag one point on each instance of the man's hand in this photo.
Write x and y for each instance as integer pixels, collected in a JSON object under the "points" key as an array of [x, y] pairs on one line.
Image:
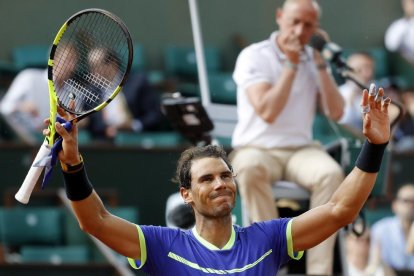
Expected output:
{"points": [[291, 47], [69, 153], [319, 60], [323, 34], [376, 122]]}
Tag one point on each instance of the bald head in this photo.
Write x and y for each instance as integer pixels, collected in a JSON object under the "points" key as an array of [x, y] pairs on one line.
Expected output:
{"points": [[298, 18], [408, 8], [305, 4]]}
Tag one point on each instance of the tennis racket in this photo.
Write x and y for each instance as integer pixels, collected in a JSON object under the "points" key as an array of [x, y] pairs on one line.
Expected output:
{"points": [[88, 64]]}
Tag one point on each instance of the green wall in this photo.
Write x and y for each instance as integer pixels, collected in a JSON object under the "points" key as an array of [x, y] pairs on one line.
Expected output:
{"points": [[156, 23]]}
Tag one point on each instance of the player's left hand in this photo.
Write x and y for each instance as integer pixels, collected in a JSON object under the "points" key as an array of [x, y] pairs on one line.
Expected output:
{"points": [[376, 122]]}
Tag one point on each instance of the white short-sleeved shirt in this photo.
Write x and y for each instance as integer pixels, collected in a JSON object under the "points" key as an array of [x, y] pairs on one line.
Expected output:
{"points": [[264, 62], [30, 85]]}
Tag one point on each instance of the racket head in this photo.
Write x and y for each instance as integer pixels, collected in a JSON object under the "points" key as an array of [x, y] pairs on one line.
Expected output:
{"points": [[89, 61]]}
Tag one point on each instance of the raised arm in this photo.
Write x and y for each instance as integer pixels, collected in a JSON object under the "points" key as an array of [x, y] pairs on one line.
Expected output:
{"points": [[316, 225], [93, 218]]}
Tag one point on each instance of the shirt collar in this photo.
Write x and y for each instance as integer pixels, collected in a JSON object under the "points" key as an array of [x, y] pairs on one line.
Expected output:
{"points": [[211, 246]]}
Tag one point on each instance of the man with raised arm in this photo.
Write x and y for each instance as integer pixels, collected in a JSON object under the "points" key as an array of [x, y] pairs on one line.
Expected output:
{"points": [[207, 184]]}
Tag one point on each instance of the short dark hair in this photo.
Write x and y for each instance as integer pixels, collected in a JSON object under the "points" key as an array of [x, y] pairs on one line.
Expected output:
{"points": [[183, 172]]}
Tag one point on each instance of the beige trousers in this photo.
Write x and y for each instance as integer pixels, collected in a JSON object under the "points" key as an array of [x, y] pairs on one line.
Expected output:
{"points": [[257, 168]]}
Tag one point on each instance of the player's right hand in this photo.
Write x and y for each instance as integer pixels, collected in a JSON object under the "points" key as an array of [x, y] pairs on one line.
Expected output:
{"points": [[70, 152]]}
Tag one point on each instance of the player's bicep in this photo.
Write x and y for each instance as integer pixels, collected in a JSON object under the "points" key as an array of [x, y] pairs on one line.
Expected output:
{"points": [[120, 235]]}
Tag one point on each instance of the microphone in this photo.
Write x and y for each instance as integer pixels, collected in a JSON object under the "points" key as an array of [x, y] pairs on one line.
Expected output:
{"points": [[330, 51]]}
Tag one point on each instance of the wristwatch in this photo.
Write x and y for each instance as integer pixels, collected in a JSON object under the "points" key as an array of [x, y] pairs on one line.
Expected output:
{"points": [[321, 66], [291, 65]]}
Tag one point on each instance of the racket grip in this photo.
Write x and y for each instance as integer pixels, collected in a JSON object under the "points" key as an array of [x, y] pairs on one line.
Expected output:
{"points": [[25, 191]]}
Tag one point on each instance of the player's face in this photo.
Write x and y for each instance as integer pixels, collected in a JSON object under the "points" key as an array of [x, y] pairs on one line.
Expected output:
{"points": [[298, 19], [213, 190]]}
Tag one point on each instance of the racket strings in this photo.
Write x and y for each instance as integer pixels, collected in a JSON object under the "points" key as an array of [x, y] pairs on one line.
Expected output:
{"points": [[85, 95], [98, 81], [92, 60]]}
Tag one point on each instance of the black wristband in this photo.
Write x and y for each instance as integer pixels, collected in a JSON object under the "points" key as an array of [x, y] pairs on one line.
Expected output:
{"points": [[77, 184], [370, 157]]}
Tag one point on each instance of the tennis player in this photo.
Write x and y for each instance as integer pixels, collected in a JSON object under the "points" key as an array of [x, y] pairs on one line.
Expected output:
{"points": [[207, 184]]}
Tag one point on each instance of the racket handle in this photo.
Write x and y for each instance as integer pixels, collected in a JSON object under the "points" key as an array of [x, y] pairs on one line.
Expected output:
{"points": [[25, 191]]}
